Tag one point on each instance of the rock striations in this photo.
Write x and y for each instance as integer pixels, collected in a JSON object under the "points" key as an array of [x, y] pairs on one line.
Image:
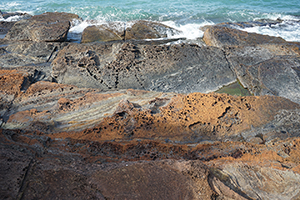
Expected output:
{"points": [[126, 118]]}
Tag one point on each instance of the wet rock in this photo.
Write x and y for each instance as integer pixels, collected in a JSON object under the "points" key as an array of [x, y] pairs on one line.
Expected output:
{"points": [[15, 16], [99, 33], [149, 30], [47, 27], [139, 30], [220, 36], [113, 66]]}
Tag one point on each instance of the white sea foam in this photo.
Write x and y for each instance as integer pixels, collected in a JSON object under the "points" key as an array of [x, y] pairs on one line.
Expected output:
{"points": [[189, 31], [288, 30]]}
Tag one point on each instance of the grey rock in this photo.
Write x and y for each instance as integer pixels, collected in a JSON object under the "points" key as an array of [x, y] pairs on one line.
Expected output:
{"points": [[47, 27], [113, 66], [267, 69], [22, 53], [263, 182]]}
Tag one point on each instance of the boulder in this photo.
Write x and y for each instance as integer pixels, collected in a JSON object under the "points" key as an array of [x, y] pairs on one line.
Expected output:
{"points": [[221, 36], [139, 30], [149, 30], [47, 27], [114, 66], [99, 33]]}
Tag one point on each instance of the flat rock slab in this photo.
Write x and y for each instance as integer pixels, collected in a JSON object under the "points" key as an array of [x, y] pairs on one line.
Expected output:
{"points": [[47, 27], [267, 69], [114, 66], [24, 53], [221, 36]]}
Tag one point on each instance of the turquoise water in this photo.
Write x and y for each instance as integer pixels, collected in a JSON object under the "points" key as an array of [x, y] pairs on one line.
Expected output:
{"points": [[186, 15]]}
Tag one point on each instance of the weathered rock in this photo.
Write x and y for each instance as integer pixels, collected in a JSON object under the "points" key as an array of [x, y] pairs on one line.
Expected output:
{"points": [[99, 33], [113, 66], [15, 16], [149, 30], [118, 31], [83, 169], [5, 27], [267, 69], [24, 53], [47, 27], [220, 36], [129, 114]]}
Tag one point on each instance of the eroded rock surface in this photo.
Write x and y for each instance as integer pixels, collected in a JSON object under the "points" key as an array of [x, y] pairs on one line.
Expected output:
{"points": [[113, 66], [126, 120], [263, 64], [47, 27]]}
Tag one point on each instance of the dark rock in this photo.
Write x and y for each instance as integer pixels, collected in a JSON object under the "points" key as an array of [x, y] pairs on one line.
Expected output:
{"points": [[47, 27], [15, 16], [99, 33], [22, 53], [5, 27], [260, 22], [148, 30], [220, 36], [118, 31], [113, 66]]}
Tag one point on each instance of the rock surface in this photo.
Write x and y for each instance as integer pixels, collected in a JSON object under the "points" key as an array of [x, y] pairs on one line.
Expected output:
{"points": [[126, 120], [263, 64], [113, 66], [137, 30], [47, 27]]}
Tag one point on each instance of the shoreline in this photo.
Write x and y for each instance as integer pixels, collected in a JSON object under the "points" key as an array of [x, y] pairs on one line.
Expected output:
{"points": [[128, 115]]}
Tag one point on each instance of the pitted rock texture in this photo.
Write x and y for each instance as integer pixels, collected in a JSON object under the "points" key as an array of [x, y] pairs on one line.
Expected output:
{"points": [[68, 111], [76, 169], [93, 135], [113, 66]]}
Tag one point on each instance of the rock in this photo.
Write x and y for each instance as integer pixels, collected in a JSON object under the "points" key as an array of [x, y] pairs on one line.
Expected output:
{"points": [[22, 53], [148, 30], [129, 114], [267, 69], [114, 66], [114, 31], [99, 33], [220, 36], [5, 27], [261, 182], [47, 27], [15, 16], [259, 22]]}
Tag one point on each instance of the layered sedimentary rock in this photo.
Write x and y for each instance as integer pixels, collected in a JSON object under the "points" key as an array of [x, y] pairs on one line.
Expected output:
{"points": [[126, 120]]}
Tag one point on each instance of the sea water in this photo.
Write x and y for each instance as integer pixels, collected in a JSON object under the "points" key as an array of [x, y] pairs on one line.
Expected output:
{"points": [[185, 15]]}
